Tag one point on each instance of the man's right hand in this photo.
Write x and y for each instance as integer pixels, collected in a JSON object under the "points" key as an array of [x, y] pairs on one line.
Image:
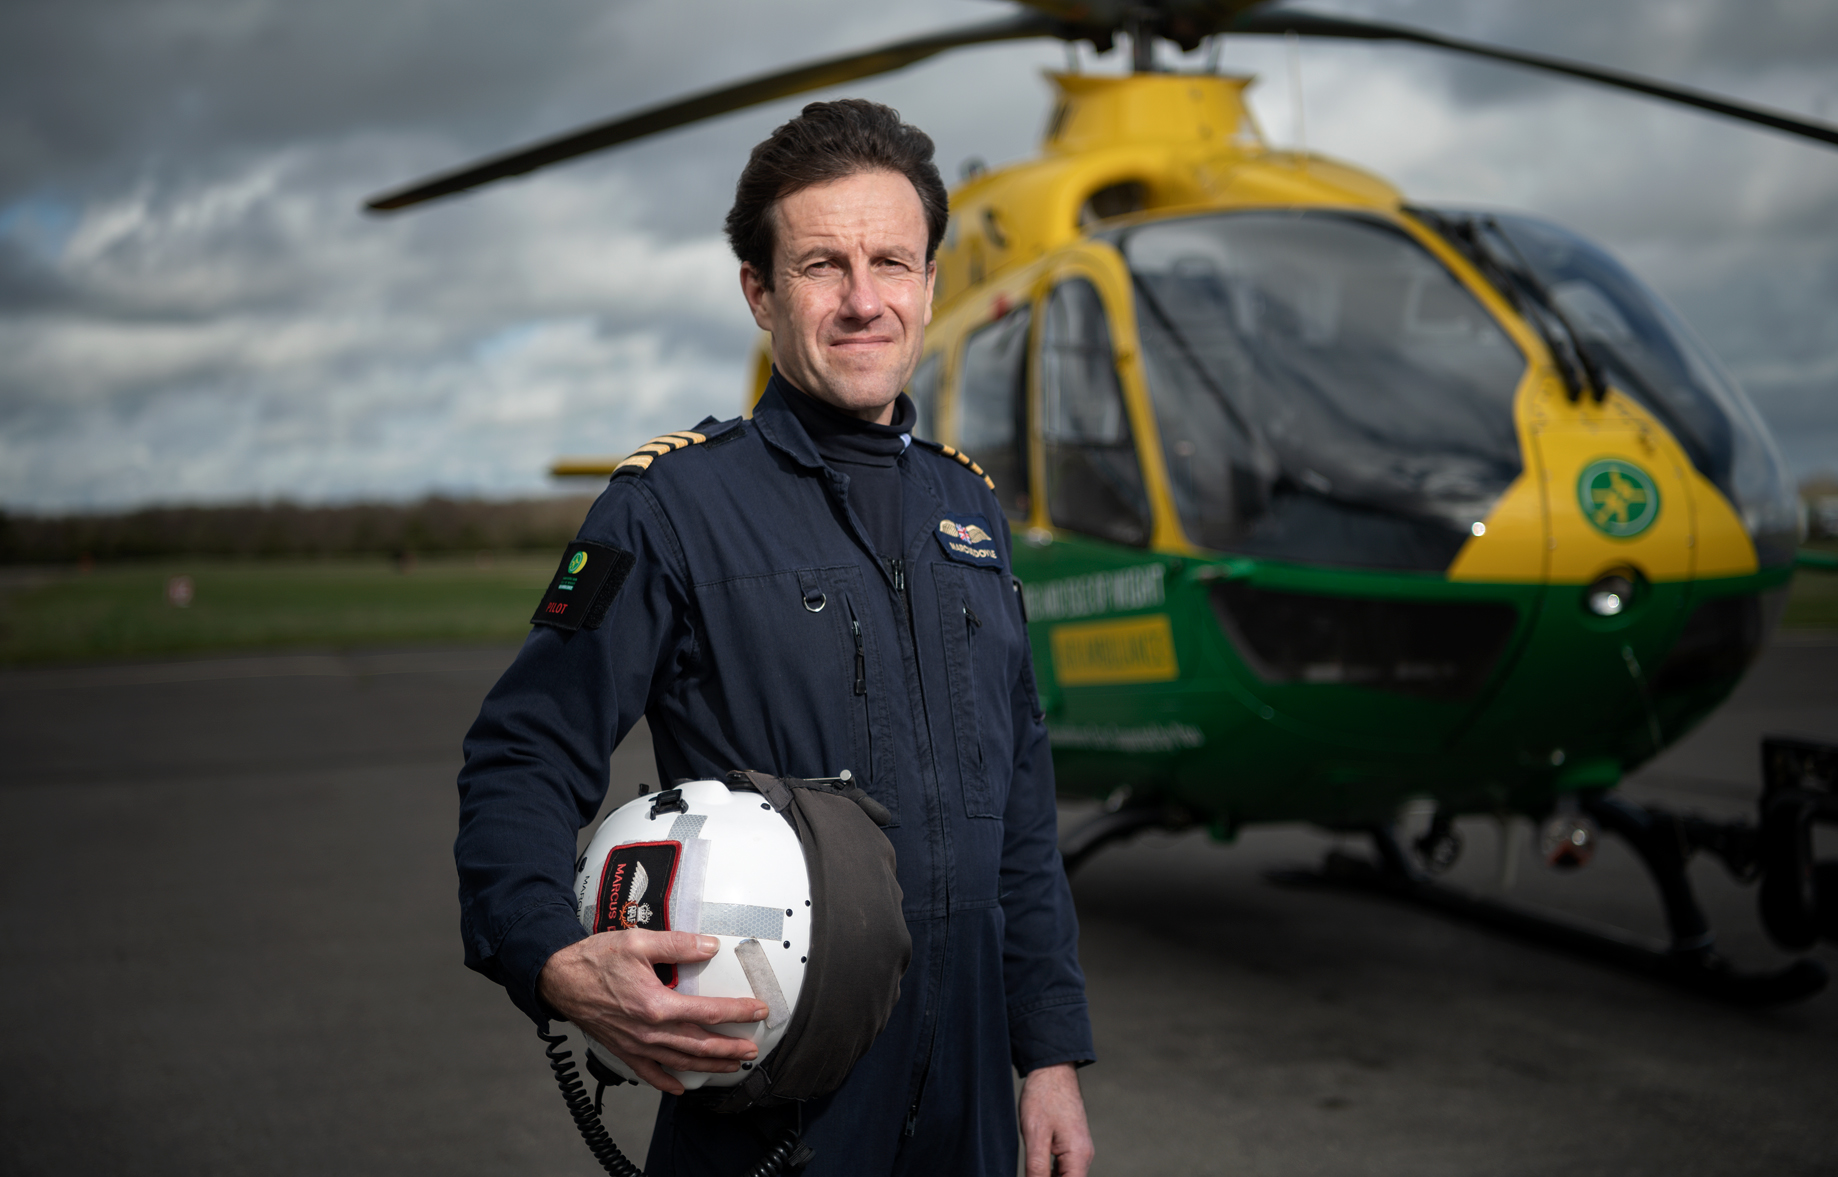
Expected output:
{"points": [[605, 985]]}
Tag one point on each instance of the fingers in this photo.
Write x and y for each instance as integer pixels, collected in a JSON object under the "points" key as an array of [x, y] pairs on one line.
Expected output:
{"points": [[655, 1075], [1074, 1162], [695, 1042], [1050, 1155], [672, 947], [716, 1011], [1039, 1161]]}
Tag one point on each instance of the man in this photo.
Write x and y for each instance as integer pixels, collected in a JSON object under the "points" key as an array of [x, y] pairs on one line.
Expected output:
{"points": [[803, 592]]}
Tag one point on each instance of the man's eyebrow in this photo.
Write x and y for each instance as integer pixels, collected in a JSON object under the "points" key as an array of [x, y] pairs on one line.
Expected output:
{"points": [[819, 252]]}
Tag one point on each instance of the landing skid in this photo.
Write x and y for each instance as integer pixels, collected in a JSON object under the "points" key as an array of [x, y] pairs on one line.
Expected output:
{"points": [[1662, 840]]}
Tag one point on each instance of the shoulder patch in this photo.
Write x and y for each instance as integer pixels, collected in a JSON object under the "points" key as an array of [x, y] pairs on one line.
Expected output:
{"points": [[961, 456], [590, 576]]}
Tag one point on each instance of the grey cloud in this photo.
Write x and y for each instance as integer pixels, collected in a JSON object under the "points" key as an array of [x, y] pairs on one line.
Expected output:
{"points": [[191, 306]]}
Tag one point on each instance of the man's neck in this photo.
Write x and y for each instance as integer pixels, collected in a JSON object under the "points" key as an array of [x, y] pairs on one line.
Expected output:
{"points": [[873, 414], [839, 434]]}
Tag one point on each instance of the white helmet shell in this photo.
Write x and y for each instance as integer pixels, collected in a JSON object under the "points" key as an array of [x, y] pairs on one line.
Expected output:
{"points": [[708, 859]]}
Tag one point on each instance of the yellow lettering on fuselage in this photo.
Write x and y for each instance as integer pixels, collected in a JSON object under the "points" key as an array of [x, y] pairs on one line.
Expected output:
{"points": [[1100, 653]]}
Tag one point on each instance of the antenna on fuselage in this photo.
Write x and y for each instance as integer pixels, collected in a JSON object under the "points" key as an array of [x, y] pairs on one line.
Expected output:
{"points": [[1142, 46]]}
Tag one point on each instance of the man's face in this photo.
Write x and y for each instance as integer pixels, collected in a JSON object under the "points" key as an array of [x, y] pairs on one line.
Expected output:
{"points": [[852, 291]]}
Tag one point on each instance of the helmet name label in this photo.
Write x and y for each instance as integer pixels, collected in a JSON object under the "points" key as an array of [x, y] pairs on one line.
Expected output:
{"points": [[635, 886]]}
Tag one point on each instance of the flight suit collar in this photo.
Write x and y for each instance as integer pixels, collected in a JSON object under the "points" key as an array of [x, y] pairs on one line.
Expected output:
{"points": [[780, 424], [773, 417]]}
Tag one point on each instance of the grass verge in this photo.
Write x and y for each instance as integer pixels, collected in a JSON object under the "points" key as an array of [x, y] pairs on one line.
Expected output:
{"points": [[123, 611], [1813, 603]]}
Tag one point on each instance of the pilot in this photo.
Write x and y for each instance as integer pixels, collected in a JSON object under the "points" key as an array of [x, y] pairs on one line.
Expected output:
{"points": [[803, 591]]}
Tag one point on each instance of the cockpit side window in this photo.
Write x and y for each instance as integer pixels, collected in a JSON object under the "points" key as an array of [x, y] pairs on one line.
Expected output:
{"points": [[1326, 390], [1094, 484], [993, 406]]}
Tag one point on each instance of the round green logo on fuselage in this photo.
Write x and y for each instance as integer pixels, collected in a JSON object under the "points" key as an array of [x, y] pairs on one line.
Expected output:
{"points": [[579, 562], [1618, 497]]}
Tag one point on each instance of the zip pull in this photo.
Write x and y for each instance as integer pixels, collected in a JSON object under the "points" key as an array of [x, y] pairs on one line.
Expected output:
{"points": [[971, 617], [861, 658], [899, 575]]}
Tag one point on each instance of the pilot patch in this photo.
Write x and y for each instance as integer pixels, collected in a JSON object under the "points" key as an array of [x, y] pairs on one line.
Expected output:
{"points": [[635, 889], [584, 586], [968, 540]]}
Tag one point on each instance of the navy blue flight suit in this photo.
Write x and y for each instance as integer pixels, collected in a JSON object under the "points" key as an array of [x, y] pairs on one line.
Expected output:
{"points": [[735, 636]]}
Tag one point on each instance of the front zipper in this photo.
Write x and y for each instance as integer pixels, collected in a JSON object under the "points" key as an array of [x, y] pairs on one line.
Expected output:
{"points": [[898, 569]]}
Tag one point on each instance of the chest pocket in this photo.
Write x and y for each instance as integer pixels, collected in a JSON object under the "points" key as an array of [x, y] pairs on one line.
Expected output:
{"points": [[981, 656], [796, 677]]}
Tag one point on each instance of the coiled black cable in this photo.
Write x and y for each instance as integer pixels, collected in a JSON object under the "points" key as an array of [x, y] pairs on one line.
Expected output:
{"points": [[574, 1094], [785, 1147]]}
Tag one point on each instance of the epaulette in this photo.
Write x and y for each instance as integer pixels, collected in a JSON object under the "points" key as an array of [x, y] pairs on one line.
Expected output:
{"points": [[641, 458], [961, 456]]}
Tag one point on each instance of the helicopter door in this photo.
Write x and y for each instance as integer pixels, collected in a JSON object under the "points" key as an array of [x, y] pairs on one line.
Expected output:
{"points": [[1095, 591], [992, 406], [1094, 481]]}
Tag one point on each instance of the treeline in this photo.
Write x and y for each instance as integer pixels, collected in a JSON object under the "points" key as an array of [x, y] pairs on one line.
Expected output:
{"points": [[431, 526]]}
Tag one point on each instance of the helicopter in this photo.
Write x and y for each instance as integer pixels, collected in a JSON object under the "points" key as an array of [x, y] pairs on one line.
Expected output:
{"points": [[1327, 503]]}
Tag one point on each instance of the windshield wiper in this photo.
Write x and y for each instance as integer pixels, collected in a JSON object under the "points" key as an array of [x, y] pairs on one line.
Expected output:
{"points": [[1512, 275]]}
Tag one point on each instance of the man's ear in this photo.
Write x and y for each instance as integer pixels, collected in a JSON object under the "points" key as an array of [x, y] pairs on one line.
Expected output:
{"points": [[759, 297], [931, 284]]}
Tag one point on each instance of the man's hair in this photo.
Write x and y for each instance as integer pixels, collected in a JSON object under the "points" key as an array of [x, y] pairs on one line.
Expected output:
{"points": [[830, 141]]}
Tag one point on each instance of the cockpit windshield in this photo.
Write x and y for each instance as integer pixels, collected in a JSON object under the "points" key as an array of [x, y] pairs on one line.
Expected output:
{"points": [[1325, 389], [1645, 350]]}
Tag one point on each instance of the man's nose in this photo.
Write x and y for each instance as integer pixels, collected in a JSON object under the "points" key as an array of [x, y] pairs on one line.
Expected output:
{"points": [[861, 299]]}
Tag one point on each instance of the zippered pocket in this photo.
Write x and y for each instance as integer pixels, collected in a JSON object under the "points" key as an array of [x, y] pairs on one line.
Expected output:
{"points": [[975, 659], [861, 688]]}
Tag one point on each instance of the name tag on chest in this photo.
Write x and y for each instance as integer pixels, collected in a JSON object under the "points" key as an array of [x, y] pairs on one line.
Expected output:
{"points": [[968, 539]]}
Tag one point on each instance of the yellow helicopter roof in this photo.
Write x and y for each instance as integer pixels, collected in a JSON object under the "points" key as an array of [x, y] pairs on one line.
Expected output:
{"points": [[1117, 145]]}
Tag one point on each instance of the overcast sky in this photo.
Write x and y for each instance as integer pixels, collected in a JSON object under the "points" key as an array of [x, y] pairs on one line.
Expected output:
{"points": [[193, 309]]}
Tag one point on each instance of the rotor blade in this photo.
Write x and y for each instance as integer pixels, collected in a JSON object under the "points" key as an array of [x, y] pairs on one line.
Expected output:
{"points": [[814, 76], [1306, 25]]}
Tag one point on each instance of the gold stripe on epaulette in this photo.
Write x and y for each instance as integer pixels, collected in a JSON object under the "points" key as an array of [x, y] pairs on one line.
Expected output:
{"points": [[642, 457], [975, 469]]}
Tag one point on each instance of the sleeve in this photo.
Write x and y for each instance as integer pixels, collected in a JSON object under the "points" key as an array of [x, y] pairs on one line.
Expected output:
{"points": [[536, 759], [1048, 1021]]}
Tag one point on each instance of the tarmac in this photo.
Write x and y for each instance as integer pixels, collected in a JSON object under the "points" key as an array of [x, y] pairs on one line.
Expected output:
{"points": [[227, 906]]}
